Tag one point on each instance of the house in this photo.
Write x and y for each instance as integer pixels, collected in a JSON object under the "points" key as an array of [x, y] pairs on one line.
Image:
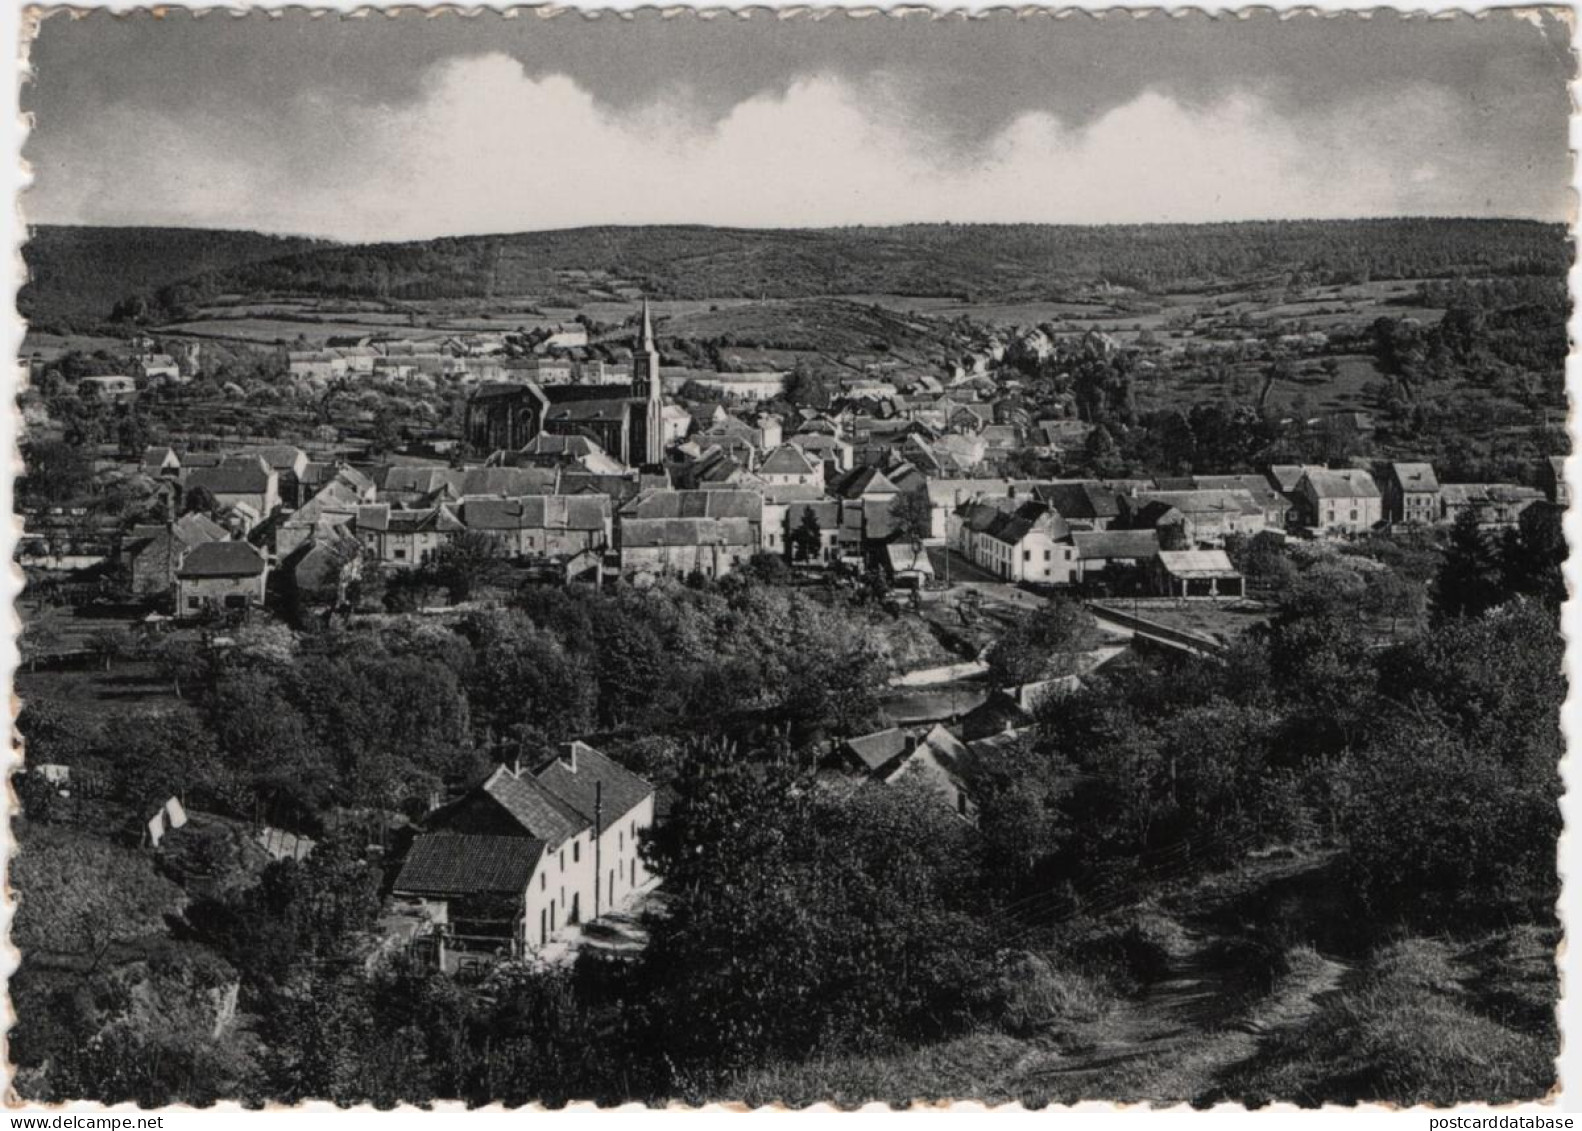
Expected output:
{"points": [[154, 553], [238, 479], [113, 387], [723, 505], [835, 454], [1277, 510], [320, 567], [161, 463], [1493, 504], [325, 365], [1103, 554], [550, 450], [937, 761], [405, 538], [1028, 542], [335, 505], [1204, 517], [1339, 502], [1411, 494], [712, 547], [821, 515], [1197, 574], [552, 526], [1085, 505], [790, 466], [505, 869], [908, 565], [220, 575]]}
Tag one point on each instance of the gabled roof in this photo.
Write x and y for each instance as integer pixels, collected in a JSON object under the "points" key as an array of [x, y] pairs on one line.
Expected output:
{"points": [[1346, 484], [540, 813], [787, 459], [1118, 545], [510, 481], [537, 512], [861, 481], [1415, 476], [249, 477], [656, 533], [1080, 502], [877, 750], [581, 777], [665, 503], [454, 864], [195, 527], [221, 559], [1214, 502]]}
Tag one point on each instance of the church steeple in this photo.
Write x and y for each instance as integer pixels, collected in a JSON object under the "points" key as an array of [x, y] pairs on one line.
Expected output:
{"points": [[647, 390], [647, 342]]}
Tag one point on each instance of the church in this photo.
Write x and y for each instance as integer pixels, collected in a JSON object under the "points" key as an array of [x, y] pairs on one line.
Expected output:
{"points": [[628, 423]]}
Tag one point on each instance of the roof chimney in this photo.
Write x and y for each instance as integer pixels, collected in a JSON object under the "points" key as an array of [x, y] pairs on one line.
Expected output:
{"points": [[568, 755]]}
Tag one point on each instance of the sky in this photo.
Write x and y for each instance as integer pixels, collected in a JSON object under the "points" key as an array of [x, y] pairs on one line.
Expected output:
{"points": [[407, 127]]}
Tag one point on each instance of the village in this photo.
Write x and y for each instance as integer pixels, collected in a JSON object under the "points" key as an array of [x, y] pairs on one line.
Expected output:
{"points": [[568, 472]]}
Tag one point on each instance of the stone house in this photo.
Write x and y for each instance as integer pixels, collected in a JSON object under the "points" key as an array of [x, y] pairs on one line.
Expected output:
{"points": [[228, 576]]}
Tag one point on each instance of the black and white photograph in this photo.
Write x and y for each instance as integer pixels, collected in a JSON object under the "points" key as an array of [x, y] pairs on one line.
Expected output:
{"points": [[804, 558]]}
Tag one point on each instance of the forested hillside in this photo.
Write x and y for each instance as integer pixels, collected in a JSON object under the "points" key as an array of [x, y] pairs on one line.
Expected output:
{"points": [[157, 275], [77, 276]]}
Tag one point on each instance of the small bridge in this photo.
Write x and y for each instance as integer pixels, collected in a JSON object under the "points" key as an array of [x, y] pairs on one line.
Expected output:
{"points": [[1164, 635]]}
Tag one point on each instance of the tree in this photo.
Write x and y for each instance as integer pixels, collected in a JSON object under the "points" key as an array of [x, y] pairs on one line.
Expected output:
{"points": [[912, 515], [1044, 644], [807, 540], [469, 559], [1100, 451], [1469, 580]]}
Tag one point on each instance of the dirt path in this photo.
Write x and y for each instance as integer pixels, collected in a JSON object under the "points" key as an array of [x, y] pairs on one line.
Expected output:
{"points": [[1172, 1043]]}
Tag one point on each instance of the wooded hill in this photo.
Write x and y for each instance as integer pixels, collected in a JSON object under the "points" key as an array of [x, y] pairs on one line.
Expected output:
{"points": [[78, 276], [155, 275]]}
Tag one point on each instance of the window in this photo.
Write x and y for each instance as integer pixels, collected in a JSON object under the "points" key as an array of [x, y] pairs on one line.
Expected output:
{"points": [[576, 852], [620, 842], [400, 555], [1027, 555], [1353, 516], [562, 859], [236, 601], [194, 603], [1048, 555], [543, 881]]}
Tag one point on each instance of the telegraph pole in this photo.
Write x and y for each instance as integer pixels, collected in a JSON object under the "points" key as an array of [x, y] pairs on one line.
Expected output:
{"points": [[598, 833]]}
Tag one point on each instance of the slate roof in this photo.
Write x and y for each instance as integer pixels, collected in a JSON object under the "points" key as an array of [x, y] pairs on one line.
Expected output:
{"points": [[786, 460], [1197, 563], [598, 411], [1107, 545], [454, 864], [862, 481], [879, 749], [240, 478], [1206, 502], [537, 512], [1350, 484], [655, 533], [221, 559], [510, 481], [663, 503], [540, 813], [1080, 502], [622, 790], [1415, 476]]}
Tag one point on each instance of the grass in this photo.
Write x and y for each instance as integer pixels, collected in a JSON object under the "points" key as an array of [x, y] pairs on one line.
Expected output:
{"points": [[1426, 1021]]}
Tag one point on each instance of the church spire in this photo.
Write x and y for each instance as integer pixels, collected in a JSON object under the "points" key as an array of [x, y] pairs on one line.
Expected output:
{"points": [[648, 328]]}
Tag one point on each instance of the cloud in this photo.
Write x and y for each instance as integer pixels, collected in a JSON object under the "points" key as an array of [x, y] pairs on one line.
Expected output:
{"points": [[487, 146]]}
